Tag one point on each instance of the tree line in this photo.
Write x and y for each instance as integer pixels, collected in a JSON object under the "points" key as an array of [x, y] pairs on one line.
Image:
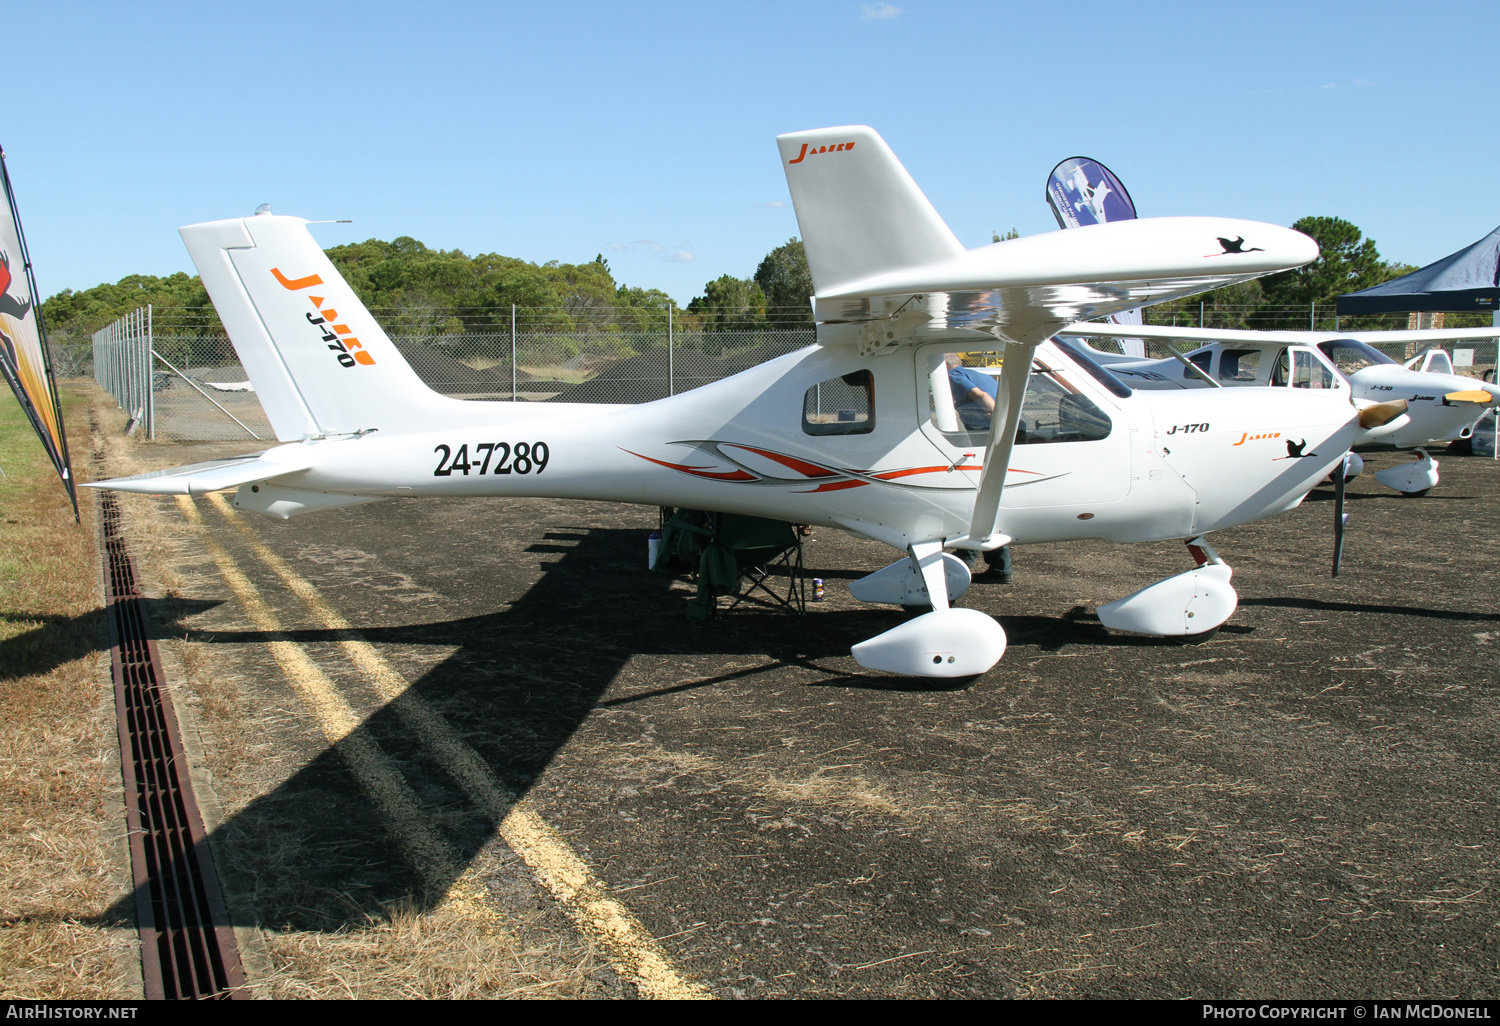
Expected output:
{"points": [[419, 290]]}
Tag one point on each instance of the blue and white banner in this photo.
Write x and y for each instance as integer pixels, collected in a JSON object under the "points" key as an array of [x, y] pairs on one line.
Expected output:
{"points": [[1081, 191]]}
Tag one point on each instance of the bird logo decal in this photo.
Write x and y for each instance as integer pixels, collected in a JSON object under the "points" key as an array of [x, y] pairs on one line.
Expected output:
{"points": [[1234, 246], [1294, 451]]}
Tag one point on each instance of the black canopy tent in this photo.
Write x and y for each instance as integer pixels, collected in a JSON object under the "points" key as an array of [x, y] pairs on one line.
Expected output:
{"points": [[1464, 282]]}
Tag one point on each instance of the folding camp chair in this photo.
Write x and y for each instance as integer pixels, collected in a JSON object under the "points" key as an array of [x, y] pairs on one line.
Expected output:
{"points": [[730, 548]]}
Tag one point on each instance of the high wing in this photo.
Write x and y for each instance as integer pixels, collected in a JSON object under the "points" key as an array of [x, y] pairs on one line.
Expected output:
{"points": [[902, 275], [1093, 329]]}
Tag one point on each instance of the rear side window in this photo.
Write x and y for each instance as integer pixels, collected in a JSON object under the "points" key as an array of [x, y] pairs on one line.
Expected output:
{"points": [[840, 406], [1239, 365]]}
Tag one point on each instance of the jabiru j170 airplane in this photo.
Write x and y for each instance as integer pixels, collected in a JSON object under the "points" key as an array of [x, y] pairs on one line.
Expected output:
{"points": [[1070, 453]]}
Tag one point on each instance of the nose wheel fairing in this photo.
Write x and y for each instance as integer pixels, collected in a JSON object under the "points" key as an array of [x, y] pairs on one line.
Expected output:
{"points": [[1186, 604], [1414, 478]]}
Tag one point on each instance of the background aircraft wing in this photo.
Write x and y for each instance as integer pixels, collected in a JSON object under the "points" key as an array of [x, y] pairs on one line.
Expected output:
{"points": [[1426, 336]]}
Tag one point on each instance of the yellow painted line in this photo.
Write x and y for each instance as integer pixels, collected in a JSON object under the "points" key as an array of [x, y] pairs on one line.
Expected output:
{"points": [[587, 900], [436, 861]]}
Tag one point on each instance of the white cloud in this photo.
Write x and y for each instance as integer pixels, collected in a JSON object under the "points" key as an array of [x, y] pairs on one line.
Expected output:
{"points": [[1362, 82], [879, 12], [775, 203], [681, 255]]}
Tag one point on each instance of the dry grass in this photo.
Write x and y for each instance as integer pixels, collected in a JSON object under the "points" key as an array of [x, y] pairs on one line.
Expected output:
{"points": [[414, 954], [59, 783]]}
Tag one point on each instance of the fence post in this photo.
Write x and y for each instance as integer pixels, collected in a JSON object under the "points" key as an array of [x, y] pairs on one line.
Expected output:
{"points": [[671, 378], [512, 352], [150, 392], [1312, 317]]}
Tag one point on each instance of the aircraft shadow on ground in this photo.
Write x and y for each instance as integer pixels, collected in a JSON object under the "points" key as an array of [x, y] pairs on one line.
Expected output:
{"points": [[1318, 605], [315, 854]]}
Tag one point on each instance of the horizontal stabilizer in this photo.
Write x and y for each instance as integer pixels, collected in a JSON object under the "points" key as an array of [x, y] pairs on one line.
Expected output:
{"points": [[213, 476]]}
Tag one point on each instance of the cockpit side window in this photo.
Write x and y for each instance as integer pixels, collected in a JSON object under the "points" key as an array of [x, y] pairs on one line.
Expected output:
{"points": [[1054, 410], [1096, 371], [840, 406], [1201, 361], [1309, 372]]}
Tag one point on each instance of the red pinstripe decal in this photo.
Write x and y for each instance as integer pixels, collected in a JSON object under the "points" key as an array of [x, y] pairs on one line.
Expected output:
{"points": [[792, 462], [737, 475], [835, 486]]}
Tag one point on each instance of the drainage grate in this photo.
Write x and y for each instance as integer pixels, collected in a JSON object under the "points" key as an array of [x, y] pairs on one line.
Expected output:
{"points": [[187, 947]]}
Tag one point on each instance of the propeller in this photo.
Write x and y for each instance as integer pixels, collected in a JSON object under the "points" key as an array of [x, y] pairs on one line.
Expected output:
{"points": [[1472, 395], [1340, 518], [1381, 414]]}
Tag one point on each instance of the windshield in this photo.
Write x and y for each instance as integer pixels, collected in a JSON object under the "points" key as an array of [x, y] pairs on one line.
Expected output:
{"points": [[1094, 370], [1350, 355]]}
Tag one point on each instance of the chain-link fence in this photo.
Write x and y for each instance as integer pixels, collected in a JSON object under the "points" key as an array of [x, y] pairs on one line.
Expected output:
{"points": [[199, 391]]}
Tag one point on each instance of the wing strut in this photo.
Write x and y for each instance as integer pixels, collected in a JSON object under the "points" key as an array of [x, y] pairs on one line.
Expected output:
{"points": [[1191, 366], [1015, 374]]}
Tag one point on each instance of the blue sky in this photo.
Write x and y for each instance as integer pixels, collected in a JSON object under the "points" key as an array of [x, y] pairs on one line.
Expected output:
{"points": [[645, 131]]}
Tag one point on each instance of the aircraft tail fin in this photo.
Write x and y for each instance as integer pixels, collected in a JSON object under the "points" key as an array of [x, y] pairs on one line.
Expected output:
{"points": [[320, 363], [859, 211]]}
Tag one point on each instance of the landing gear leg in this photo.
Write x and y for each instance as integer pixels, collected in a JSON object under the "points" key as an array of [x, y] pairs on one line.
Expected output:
{"points": [[946, 642]]}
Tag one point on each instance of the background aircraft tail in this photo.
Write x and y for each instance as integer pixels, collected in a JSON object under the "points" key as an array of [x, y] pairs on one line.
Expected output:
{"points": [[858, 209], [320, 363]]}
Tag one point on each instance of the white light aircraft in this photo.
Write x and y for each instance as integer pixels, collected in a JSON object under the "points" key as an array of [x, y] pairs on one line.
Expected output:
{"points": [[1399, 406], [1088, 458]]}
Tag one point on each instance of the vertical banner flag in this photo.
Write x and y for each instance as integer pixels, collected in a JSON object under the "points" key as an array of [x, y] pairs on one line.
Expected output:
{"points": [[24, 359], [1081, 192]]}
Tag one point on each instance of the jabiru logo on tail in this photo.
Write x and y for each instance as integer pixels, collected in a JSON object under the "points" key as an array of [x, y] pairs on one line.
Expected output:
{"points": [[339, 337], [821, 149]]}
